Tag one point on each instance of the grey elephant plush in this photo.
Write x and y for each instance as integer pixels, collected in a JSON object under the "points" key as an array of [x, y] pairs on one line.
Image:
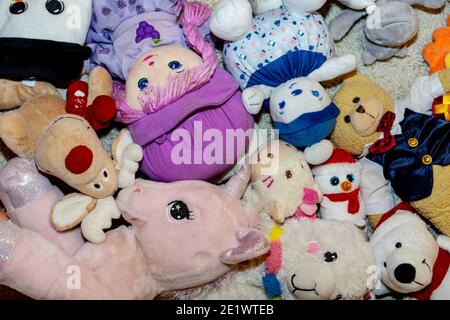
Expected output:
{"points": [[390, 26]]}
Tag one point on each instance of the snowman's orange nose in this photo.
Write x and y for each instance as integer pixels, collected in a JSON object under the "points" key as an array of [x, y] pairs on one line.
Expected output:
{"points": [[346, 186]]}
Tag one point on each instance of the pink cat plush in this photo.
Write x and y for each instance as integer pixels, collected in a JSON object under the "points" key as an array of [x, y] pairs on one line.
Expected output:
{"points": [[182, 235]]}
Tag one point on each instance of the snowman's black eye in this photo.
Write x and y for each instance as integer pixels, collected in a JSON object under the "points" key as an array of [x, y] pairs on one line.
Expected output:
{"points": [[334, 181], [18, 7], [350, 177], [55, 6]]}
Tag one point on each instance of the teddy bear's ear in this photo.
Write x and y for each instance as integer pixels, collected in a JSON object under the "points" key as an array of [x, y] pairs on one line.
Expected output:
{"points": [[358, 78]]}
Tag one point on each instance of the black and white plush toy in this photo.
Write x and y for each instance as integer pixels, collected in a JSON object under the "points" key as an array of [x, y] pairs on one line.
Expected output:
{"points": [[44, 39]]}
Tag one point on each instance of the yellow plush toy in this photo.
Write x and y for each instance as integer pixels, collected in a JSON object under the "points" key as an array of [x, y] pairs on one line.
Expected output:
{"points": [[402, 147]]}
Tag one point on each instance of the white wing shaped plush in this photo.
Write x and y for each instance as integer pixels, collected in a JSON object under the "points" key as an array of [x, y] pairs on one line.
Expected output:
{"points": [[71, 210]]}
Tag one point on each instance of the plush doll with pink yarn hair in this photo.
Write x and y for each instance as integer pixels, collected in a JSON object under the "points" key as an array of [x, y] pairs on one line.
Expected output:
{"points": [[173, 94]]}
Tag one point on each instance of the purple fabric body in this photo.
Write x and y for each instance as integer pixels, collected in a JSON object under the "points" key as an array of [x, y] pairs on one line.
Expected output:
{"points": [[121, 30], [216, 105]]}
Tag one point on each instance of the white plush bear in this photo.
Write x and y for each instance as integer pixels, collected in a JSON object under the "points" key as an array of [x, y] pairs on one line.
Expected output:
{"points": [[411, 261]]}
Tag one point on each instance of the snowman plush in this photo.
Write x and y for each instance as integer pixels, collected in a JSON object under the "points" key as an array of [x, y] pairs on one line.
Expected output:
{"points": [[339, 180]]}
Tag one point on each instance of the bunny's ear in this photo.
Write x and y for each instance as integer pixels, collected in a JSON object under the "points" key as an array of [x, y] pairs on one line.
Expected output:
{"points": [[335, 67], [340, 25], [429, 4]]}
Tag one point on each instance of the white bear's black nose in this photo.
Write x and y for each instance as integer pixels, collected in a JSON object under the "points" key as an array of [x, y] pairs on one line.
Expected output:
{"points": [[405, 273]]}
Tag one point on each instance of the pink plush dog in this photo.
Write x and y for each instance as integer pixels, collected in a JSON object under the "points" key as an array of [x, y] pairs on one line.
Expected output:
{"points": [[183, 235]]}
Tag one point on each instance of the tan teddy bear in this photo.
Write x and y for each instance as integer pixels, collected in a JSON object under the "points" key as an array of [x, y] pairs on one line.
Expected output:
{"points": [[374, 125]]}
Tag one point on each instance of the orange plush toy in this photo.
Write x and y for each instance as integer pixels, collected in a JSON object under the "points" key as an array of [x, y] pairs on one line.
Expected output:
{"points": [[437, 55]]}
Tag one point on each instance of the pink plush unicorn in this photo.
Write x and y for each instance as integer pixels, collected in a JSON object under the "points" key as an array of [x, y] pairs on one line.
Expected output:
{"points": [[182, 235]]}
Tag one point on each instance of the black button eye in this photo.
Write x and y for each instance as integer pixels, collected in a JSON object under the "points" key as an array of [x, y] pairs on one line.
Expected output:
{"points": [[179, 211], [18, 7], [55, 6], [97, 186], [347, 119], [356, 100], [330, 256], [398, 245], [334, 181], [270, 155], [338, 297], [350, 177]]}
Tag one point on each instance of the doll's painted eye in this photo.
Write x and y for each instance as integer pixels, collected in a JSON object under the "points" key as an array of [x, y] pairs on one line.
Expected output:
{"points": [[178, 210], [330, 256], [176, 66], [55, 6], [143, 84], [297, 92], [350, 177], [334, 181], [18, 7]]}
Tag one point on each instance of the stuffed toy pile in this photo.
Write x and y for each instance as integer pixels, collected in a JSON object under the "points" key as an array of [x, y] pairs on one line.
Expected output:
{"points": [[344, 195]]}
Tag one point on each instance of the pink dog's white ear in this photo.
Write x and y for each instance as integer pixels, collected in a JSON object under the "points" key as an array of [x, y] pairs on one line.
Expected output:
{"points": [[252, 244]]}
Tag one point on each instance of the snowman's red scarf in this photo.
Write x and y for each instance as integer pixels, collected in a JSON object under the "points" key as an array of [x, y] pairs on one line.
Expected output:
{"points": [[441, 265], [351, 197]]}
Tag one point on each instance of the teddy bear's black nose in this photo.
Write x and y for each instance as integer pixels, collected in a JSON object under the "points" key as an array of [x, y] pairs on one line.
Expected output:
{"points": [[361, 109], [405, 273]]}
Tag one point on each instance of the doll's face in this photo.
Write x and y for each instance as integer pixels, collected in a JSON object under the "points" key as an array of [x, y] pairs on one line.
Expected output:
{"points": [[154, 67]]}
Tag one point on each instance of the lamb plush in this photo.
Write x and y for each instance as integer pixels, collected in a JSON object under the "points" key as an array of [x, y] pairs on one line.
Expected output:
{"points": [[210, 234], [308, 260], [411, 261], [373, 124], [282, 183], [53, 30], [390, 26], [174, 100]]}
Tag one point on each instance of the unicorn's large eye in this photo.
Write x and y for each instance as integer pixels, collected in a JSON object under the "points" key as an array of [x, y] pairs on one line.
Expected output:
{"points": [[55, 6], [18, 7], [176, 66], [142, 84]]}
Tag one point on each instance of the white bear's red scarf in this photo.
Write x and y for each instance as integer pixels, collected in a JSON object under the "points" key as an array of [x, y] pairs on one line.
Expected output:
{"points": [[441, 266]]}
